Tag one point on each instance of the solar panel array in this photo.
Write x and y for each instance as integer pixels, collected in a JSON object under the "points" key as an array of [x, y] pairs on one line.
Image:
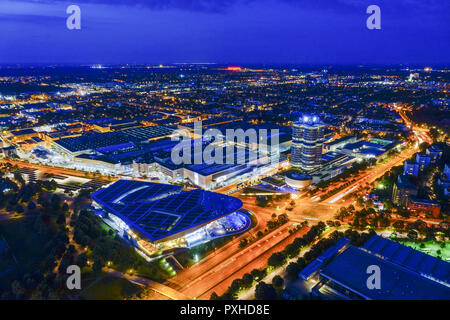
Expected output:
{"points": [[349, 270], [146, 133], [92, 141], [409, 258], [161, 210]]}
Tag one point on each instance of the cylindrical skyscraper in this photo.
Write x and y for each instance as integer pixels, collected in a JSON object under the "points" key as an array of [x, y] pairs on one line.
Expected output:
{"points": [[307, 141]]}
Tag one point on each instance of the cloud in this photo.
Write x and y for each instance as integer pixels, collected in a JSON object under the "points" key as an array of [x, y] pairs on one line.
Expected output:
{"points": [[406, 7], [31, 18]]}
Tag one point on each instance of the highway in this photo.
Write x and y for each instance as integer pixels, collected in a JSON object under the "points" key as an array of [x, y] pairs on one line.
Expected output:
{"points": [[55, 170], [203, 278], [155, 286]]}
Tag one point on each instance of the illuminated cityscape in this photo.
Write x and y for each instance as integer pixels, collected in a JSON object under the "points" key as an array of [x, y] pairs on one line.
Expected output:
{"points": [[179, 174]]}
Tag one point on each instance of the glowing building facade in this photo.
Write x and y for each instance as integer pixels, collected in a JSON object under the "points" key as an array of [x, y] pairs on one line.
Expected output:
{"points": [[307, 142]]}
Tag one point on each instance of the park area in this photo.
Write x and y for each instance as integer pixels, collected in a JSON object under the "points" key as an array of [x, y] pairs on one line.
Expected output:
{"points": [[430, 247]]}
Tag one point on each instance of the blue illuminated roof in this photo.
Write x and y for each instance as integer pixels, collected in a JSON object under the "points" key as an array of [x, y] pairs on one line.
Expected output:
{"points": [[162, 210], [409, 258], [127, 192], [349, 269], [319, 261]]}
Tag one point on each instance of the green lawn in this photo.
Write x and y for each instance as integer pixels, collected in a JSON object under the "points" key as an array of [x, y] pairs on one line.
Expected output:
{"points": [[110, 288], [431, 248]]}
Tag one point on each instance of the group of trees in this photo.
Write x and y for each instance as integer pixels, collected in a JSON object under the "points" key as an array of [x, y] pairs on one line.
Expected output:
{"points": [[277, 222], [293, 249], [238, 284], [104, 247], [44, 228], [348, 172], [44, 225], [265, 201]]}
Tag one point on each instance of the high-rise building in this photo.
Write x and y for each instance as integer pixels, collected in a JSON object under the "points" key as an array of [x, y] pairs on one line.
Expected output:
{"points": [[411, 168], [307, 141]]}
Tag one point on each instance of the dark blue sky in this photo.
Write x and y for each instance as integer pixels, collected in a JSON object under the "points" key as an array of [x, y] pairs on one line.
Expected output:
{"points": [[226, 31]]}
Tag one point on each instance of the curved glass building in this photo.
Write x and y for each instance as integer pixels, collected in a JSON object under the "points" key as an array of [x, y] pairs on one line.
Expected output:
{"points": [[307, 141], [159, 217]]}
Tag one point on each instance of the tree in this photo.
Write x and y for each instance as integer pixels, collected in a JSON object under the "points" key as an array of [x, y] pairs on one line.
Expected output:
{"points": [[82, 260], [97, 266], [283, 218], [291, 250], [423, 146], [292, 270], [31, 206], [55, 202], [412, 235], [247, 280], [19, 209], [214, 296], [258, 274], [398, 225], [265, 291], [236, 285], [360, 201], [262, 201], [278, 282], [276, 259], [17, 289], [243, 243], [65, 207]]}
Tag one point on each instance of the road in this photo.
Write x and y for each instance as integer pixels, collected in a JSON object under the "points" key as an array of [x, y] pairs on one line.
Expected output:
{"points": [[258, 263], [54, 170], [204, 277], [155, 286], [370, 175]]}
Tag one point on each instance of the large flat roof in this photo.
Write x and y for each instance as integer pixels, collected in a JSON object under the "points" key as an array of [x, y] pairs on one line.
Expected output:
{"points": [[409, 258], [95, 140], [348, 269], [91, 141], [161, 211]]}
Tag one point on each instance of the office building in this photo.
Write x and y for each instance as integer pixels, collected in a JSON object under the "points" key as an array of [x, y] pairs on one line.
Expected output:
{"points": [[307, 142], [411, 168], [402, 190]]}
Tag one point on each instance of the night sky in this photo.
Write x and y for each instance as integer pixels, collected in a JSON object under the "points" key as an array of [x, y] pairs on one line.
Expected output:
{"points": [[225, 31]]}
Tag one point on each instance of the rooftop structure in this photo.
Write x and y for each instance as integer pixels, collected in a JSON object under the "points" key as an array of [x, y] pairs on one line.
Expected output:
{"points": [[298, 180], [162, 212], [107, 141], [411, 168], [406, 274]]}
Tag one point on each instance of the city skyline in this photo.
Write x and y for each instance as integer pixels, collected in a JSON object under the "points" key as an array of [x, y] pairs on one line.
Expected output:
{"points": [[254, 150]]}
